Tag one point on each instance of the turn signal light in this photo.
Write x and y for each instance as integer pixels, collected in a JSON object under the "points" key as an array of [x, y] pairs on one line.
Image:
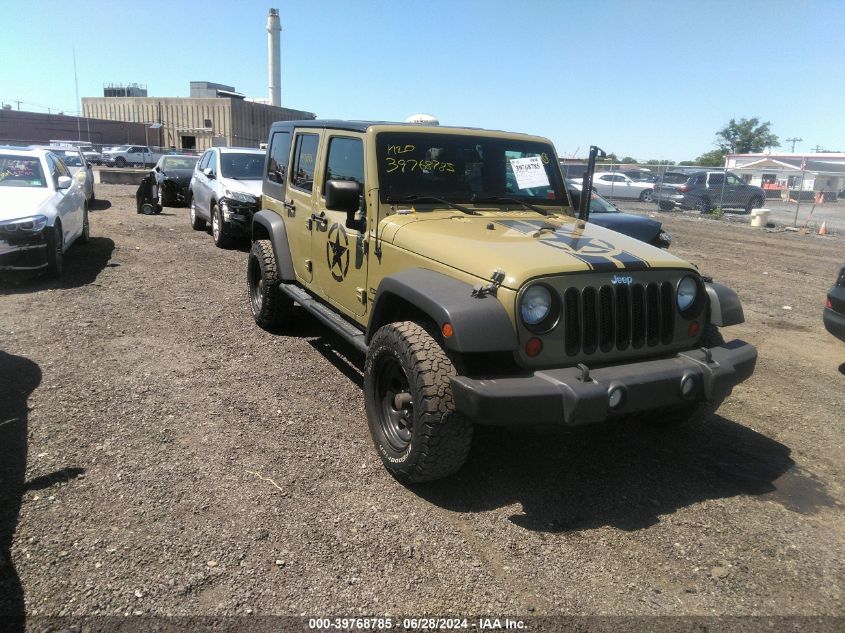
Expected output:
{"points": [[693, 329], [447, 330], [533, 347]]}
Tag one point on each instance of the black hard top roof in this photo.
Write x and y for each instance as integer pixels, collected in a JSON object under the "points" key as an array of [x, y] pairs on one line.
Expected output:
{"points": [[362, 126]]}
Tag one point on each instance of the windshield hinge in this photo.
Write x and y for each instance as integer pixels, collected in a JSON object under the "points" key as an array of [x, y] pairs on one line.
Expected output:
{"points": [[491, 288]]}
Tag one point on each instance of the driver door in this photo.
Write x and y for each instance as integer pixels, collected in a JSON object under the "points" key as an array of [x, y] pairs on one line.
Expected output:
{"points": [[339, 252]]}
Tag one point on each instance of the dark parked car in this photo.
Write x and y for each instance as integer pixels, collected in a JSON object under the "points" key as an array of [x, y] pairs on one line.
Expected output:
{"points": [[704, 190], [167, 184], [834, 310], [609, 216]]}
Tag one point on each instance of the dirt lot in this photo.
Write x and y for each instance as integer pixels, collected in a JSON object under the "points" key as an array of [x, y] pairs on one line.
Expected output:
{"points": [[160, 454]]}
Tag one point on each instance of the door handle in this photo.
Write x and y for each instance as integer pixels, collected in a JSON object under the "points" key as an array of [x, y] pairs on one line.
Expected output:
{"points": [[290, 207]]}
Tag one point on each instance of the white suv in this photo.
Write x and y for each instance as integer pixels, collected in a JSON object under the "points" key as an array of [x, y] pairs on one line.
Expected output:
{"points": [[226, 191], [42, 210]]}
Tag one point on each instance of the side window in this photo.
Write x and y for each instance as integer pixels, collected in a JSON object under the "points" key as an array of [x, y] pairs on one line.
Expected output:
{"points": [[716, 180], [277, 165], [212, 162], [346, 160], [61, 169], [51, 165], [304, 161], [204, 161], [733, 180]]}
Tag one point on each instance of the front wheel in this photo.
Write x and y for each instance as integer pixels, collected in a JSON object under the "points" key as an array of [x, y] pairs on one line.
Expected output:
{"points": [[270, 307], [222, 237], [85, 236], [55, 251], [647, 195], [412, 418]]}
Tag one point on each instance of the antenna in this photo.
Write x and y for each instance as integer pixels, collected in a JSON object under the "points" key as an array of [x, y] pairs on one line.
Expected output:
{"points": [[78, 107]]}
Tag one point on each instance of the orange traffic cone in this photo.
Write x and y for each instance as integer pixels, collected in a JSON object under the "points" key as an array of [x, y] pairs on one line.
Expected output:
{"points": [[823, 229]]}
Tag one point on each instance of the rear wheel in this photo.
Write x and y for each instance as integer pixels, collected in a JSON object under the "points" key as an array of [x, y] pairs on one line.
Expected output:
{"points": [[120, 161], [197, 223], [270, 307], [412, 418], [703, 206], [665, 206]]}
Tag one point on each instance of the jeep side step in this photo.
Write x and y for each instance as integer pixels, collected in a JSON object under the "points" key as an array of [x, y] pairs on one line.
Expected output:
{"points": [[326, 316]]}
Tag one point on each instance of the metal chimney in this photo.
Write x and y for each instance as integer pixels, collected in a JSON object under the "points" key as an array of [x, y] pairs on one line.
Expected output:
{"points": [[274, 63]]}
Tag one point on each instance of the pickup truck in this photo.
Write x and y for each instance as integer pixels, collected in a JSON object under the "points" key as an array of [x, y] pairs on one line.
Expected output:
{"points": [[124, 155]]}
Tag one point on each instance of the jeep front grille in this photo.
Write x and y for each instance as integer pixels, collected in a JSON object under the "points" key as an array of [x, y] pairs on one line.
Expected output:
{"points": [[634, 316]]}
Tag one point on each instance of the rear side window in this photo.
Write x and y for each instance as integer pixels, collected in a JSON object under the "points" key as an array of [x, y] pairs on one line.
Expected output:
{"points": [[715, 180], [304, 161], [346, 160], [277, 165], [204, 161], [674, 178]]}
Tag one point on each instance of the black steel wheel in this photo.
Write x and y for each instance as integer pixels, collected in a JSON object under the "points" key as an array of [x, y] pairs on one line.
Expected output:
{"points": [[55, 251], [270, 307], [416, 430], [86, 226]]}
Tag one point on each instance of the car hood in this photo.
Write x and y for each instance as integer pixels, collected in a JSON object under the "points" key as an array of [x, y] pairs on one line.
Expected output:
{"points": [[636, 226], [522, 245], [19, 202], [252, 187]]}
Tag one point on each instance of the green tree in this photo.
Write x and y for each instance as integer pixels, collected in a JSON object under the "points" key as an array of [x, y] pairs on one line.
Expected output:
{"points": [[716, 158], [628, 159], [655, 161], [746, 136]]}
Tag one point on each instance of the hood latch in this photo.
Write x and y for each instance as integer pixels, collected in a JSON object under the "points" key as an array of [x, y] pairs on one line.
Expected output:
{"points": [[491, 288]]}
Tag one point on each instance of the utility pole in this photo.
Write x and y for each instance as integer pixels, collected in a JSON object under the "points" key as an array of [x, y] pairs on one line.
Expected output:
{"points": [[794, 140], [817, 149], [19, 105]]}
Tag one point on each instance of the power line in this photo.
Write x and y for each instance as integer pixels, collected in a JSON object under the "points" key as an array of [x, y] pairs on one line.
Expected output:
{"points": [[793, 140]]}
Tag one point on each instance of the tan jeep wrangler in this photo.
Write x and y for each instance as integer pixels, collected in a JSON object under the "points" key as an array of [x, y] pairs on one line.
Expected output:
{"points": [[451, 258]]}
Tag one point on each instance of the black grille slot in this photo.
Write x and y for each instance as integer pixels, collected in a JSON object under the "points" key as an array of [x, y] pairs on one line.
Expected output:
{"points": [[652, 313], [623, 317], [606, 319], [572, 321], [637, 316], [667, 312], [589, 297]]}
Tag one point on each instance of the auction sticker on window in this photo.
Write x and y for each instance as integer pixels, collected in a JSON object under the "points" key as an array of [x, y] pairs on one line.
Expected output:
{"points": [[529, 172]]}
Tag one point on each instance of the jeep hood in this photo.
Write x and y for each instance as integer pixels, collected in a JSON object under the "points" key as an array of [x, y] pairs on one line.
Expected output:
{"points": [[524, 245]]}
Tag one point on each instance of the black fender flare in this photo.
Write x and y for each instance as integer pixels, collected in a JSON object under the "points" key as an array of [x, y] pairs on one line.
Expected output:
{"points": [[725, 306], [480, 324], [275, 227]]}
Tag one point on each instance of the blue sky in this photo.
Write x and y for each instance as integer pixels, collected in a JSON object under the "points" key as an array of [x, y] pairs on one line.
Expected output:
{"points": [[642, 78]]}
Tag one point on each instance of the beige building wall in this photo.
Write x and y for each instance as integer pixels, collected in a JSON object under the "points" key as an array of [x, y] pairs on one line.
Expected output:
{"points": [[192, 123]]}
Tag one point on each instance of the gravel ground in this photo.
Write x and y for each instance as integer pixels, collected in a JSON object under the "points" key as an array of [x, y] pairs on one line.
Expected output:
{"points": [[160, 454]]}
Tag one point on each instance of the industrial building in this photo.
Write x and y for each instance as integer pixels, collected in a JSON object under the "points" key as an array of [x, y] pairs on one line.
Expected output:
{"points": [[26, 128]]}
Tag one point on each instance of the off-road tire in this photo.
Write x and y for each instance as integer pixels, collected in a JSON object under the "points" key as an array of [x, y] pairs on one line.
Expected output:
{"points": [[197, 223], [222, 238], [85, 236], [647, 195], [440, 437], [55, 251], [270, 307], [693, 413]]}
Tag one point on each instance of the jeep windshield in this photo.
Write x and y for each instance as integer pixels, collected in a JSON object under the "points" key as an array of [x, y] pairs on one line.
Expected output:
{"points": [[468, 168]]}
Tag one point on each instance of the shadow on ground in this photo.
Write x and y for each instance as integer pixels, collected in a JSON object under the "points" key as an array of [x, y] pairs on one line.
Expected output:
{"points": [[99, 205], [622, 475], [19, 377], [83, 262]]}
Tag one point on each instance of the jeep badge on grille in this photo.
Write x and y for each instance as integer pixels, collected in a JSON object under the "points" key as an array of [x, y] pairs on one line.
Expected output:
{"points": [[622, 280]]}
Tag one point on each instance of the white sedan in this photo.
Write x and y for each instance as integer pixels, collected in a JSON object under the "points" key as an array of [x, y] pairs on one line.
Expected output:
{"points": [[615, 185], [42, 210]]}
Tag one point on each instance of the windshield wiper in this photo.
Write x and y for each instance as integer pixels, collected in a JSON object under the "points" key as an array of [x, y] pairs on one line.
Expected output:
{"points": [[423, 198], [477, 198]]}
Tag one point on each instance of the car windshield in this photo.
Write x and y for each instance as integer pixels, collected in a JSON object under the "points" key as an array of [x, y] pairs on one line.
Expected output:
{"points": [[21, 171], [674, 178], [179, 162], [600, 205], [467, 168], [69, 158], [242, 165]]}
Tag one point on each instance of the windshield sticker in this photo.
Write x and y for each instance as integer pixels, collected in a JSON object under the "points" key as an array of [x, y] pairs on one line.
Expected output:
{"points": [[529, 172]]}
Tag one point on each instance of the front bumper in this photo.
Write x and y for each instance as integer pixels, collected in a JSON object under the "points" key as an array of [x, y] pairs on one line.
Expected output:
{"points": [[834, 322], [29, 255], [560, 396], [238, 215]]}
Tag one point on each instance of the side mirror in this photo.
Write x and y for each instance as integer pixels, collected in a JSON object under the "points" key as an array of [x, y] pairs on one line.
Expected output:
{"points": [[157, 168], [208, 172], [64, 182], [344, 195]]}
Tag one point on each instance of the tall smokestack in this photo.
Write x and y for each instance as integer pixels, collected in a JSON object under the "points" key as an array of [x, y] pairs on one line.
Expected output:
{"points": [[274, 63]]}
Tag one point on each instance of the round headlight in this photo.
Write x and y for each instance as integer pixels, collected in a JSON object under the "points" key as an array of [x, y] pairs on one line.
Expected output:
{"points": [[536, 305], [687, 292]]}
